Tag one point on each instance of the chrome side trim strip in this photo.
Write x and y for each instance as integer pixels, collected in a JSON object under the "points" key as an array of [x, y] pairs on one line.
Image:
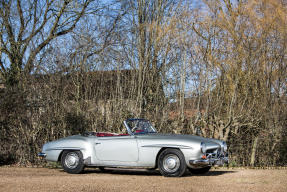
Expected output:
{"points": [[169, 145], [64, 148]]}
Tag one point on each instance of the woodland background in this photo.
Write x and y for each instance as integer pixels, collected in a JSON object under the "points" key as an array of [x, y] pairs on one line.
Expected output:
{"points": [[215, 68]]}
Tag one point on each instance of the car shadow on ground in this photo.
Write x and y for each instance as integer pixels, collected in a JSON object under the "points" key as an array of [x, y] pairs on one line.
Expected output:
{"points": [[144, 172], [216, 173], [119, 171]]}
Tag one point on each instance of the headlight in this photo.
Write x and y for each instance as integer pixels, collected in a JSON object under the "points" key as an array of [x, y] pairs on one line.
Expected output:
{"points": [[224, 146], [203, 147]]}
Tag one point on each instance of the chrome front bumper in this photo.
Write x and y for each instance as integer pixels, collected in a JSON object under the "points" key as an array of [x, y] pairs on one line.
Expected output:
{"points": [[205, 162], [42, 155]]}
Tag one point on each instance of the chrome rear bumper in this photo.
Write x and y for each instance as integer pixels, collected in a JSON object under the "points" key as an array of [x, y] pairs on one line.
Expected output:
{"points": [[205, 162], [42, 155]]}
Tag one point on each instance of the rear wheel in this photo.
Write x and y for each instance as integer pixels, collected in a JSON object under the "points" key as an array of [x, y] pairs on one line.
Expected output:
{"points": [[199, 171], [171, 163], [72, 162]]}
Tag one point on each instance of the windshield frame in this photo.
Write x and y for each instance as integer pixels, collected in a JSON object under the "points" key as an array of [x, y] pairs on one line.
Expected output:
{"points": [[129, 129]]}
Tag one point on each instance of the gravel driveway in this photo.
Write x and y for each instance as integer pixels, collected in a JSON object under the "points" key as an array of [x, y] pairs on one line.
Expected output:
{"points": [[45, 179]]}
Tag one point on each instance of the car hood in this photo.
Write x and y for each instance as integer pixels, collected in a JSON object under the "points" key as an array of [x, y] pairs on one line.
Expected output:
{"points": [[180, 139]]}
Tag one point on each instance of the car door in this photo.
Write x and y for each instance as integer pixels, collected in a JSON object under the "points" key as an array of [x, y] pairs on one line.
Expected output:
{"points": [[117, 148]]}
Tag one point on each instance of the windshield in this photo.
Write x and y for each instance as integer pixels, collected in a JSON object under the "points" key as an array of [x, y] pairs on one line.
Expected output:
{"points": [[140, 126]]}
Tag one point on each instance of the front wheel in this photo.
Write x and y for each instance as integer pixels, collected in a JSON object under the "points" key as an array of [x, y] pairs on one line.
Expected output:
{"points": [[171, 163], [72, 162], [200, 170]]}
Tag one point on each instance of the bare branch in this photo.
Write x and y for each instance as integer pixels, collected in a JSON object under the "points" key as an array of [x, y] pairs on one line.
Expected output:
{"points": [[53, 34], [20, 12]]}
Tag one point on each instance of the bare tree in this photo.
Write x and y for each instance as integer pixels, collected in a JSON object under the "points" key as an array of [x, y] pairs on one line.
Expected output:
{"points": [[26, 27]]}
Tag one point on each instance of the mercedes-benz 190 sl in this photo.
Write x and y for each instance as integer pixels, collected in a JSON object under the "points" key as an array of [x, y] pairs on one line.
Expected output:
{"points": [[140, 147]]}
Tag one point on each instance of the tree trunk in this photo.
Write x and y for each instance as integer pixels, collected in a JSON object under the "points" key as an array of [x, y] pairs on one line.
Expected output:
{"points": [[253, 152]]}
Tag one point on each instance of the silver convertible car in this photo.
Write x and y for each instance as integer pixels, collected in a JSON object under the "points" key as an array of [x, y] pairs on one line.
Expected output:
{"points": [[140, 147]]}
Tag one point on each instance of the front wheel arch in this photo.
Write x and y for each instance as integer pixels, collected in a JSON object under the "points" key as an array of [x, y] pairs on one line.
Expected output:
{"points": [[171, 157], [160, 151], [157, 156]]}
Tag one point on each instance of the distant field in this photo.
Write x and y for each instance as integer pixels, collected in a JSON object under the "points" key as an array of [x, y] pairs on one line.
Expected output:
{"points": [[44, 179]]}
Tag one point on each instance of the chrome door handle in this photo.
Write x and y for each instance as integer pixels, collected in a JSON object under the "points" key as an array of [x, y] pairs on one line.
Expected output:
{"points": [[97, 143]]}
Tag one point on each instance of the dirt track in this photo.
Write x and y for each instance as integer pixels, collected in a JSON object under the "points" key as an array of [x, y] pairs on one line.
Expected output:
{"points": [[44, 179]]}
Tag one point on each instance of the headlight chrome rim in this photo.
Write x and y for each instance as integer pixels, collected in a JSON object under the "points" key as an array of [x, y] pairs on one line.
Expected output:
{"points": [[203, 147]]}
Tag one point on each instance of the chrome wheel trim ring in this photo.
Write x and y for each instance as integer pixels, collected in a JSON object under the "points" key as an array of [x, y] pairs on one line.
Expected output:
{"points": [[72, 160], [171, 163]]}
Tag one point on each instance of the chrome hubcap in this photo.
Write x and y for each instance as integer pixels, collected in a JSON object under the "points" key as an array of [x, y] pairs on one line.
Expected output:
{"points": [[171, 163], [72, 160]]}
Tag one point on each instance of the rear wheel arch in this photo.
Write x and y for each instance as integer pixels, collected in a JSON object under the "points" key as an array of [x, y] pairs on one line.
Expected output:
{"points": [[64, 150], [77, 155]]}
